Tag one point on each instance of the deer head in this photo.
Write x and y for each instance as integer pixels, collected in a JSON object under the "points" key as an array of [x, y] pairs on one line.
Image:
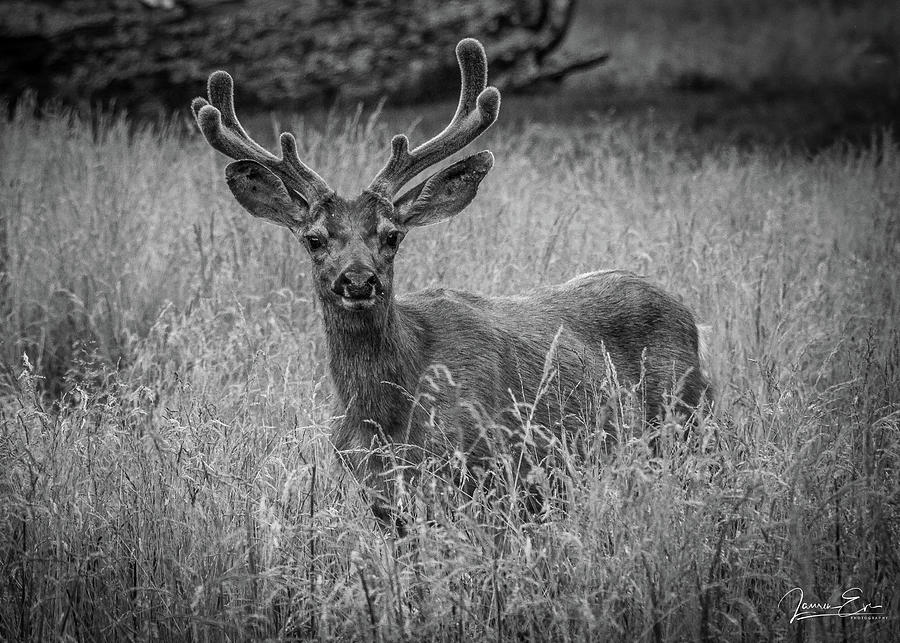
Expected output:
{"points": [[352, 242]]}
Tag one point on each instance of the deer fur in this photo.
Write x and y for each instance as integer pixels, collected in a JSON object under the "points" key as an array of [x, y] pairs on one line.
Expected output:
{"points": [[444, 372]]}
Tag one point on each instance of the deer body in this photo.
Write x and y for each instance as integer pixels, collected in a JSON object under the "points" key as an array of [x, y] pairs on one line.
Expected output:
{"points": [[441, 371], [474, 357]]}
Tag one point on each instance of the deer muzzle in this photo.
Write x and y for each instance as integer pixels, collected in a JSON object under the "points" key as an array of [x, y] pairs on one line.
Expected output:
{"points": [[357, 286]]}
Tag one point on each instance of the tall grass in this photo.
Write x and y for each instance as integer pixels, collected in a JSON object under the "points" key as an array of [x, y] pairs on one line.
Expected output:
{"points": [[165, 468]]}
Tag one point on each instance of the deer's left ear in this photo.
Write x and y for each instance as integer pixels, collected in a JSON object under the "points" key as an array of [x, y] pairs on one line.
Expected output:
{"points": [[444, 194]]}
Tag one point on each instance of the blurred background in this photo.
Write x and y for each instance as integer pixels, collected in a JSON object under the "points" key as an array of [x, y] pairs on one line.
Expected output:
{"points": [[805, 72]]}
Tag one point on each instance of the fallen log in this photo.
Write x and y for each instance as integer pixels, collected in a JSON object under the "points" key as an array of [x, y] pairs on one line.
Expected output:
{"points": [[283, 52]]}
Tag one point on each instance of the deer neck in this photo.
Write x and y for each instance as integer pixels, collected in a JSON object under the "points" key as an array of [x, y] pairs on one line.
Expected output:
{"points": [[373, 358]]}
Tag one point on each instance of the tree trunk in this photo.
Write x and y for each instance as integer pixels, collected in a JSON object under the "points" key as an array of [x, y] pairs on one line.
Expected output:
{"points": [[152, 54]]}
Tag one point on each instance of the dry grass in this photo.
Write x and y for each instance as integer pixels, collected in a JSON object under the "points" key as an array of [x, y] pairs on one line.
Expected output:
{"points": [[183, 487]]}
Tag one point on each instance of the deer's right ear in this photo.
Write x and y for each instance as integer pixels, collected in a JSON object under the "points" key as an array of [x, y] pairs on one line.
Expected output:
{"points": [[264, 195]]}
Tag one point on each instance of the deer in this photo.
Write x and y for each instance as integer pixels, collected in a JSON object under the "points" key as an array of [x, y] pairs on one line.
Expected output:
{"points": [[443, 371]]}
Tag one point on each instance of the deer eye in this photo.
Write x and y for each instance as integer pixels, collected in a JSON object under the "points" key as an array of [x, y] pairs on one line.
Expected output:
{"points": [[392, 239], [315, 242]]}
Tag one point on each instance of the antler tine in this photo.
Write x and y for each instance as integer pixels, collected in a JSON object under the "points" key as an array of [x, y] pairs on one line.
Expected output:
{"points": [[477, 110], [223, 131]]}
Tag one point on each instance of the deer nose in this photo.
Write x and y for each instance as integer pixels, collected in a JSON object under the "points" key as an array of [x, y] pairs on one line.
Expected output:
{"points": [[356, 282]]}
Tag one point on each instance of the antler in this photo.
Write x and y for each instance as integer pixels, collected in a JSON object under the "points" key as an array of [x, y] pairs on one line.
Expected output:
{"points": [[223, 131], [477, 110]]}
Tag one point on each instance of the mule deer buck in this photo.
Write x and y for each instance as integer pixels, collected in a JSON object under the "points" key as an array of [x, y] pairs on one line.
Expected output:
{"points": [[439, 371]]}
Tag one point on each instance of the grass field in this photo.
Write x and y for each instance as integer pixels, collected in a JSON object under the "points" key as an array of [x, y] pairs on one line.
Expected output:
{"points": [[183, 488]]}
